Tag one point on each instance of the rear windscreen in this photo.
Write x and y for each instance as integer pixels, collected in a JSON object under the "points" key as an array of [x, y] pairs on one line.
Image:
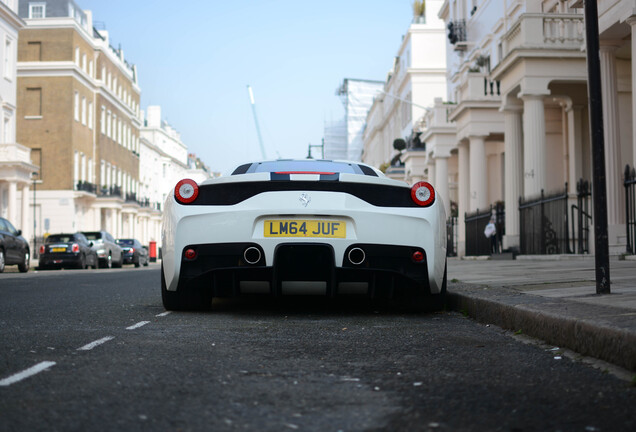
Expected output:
{"points": [[60, 238], [317, 166]]}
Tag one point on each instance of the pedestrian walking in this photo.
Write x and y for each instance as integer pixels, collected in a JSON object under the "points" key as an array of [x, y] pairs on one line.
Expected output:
{"points": [[491, 233]]}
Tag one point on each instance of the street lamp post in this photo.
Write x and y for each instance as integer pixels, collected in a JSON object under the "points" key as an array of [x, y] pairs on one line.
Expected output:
{"points": [[34, 176]]}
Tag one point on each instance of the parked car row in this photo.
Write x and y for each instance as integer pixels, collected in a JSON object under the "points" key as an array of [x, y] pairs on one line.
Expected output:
{"points": [[70, 250]]}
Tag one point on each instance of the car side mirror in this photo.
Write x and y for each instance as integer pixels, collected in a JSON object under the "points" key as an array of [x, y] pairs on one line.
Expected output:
{"points": [[19, 232], [91, 244]]}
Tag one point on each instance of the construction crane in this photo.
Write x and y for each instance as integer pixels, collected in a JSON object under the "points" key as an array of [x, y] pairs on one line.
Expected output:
{"points": [[258, 129]]}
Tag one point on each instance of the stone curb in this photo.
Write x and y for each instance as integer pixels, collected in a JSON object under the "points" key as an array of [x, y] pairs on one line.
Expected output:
{"points": [[594, 338]]}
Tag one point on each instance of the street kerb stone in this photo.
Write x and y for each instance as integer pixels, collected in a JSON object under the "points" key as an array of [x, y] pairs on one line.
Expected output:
{"points": [[551, 320]]}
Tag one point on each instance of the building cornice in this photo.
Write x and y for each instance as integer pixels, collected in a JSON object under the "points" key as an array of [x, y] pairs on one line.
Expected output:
{"points": [[465, 106], [70, 69], [97, 44], [11, 17]]}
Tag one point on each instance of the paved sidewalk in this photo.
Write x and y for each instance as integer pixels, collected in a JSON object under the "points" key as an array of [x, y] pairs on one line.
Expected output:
{"points": [[553, 299]]}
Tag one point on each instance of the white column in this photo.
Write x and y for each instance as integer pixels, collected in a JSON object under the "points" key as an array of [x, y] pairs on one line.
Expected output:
{"points": [[13, 202], [24, 219], [534, 145], [632, 22], [478, 175], [513, 182], [431, 177], [611, 127], [441, 180], [575, 147], [463, 194]]}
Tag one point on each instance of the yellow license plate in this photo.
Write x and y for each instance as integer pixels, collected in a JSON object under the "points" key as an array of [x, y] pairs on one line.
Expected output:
{"points": [[58, 249], [306, 228]]}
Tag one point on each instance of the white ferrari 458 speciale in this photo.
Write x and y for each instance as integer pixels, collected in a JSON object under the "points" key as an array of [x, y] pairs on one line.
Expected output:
{"points": [[302, 227]]}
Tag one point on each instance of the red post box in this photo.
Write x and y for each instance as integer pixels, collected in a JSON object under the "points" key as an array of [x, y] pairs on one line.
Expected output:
{"points": [[153, 251]]}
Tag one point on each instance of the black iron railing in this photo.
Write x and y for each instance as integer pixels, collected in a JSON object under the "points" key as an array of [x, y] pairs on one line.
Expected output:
{"points": [[581, 218], [86, 187], [476, 241], [543, 224], [630, 208], [457, 31], [110, 191], [451, 236]]}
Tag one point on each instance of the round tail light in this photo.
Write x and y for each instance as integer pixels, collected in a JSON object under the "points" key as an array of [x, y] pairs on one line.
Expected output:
{"points": [[42, 249], [190, 254], [423, 194], [186, 191], [418, 256], [75, 248]]}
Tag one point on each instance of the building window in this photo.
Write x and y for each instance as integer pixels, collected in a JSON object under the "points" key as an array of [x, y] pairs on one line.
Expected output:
{"points": [[103, 120], [77, 56], [90, 68], [83, 110], [37, 10], [90, 115], [76, 107], [76, 168], [33, 51], [103, 76], [6, 130], [84, 66], [33, 102], [8, 58], [108, 124]]}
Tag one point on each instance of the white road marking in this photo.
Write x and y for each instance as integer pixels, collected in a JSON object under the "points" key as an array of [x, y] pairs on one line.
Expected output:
{"points": [[93, 344], [26, 373], [164, 314], [136, 326]]}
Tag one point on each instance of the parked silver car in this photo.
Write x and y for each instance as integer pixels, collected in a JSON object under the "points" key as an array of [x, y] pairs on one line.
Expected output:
{"points": [[109, 253]]}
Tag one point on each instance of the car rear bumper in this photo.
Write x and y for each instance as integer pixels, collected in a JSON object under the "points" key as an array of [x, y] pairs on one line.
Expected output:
{"points": [[377, 271], [59, 260]]}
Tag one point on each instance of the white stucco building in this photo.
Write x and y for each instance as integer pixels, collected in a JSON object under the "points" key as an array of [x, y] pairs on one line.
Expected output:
{"points": [[416, 78], [16, 167], [517, 99]]}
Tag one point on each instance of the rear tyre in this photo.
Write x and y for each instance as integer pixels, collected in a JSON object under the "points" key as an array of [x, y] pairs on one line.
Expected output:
{"points": [[26, 263], [438, 301], [185, 298], [170, 298], [2, 261], [82, 262]]}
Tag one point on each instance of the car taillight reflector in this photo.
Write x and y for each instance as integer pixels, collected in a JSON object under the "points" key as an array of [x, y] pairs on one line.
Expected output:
{"points": [[75, 248], [42, 249], [190, 254], [186, 191], [418, 256], [423, 194]]}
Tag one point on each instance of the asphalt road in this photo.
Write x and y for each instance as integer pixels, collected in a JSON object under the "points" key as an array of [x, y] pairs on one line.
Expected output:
{"points": [[111, 359]]}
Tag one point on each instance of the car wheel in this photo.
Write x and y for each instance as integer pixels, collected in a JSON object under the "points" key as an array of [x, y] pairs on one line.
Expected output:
{"points": [[185, 298], [170, 298], [438, 301], [146, 262], [26, 263], [1, 260], [120, 263], [108, 262], [82, 262]]}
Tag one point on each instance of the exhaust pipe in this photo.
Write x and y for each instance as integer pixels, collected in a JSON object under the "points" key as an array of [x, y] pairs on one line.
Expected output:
{"points": [[252, 255], [356, 256]]}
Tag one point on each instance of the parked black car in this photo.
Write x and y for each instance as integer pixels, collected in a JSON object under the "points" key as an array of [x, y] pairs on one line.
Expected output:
{"points": [[14, 249], [134, 252], [67, 251], [109, 253]]}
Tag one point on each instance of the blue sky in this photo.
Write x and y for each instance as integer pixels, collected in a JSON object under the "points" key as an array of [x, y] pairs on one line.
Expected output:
{"points": [[196, 58]]}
